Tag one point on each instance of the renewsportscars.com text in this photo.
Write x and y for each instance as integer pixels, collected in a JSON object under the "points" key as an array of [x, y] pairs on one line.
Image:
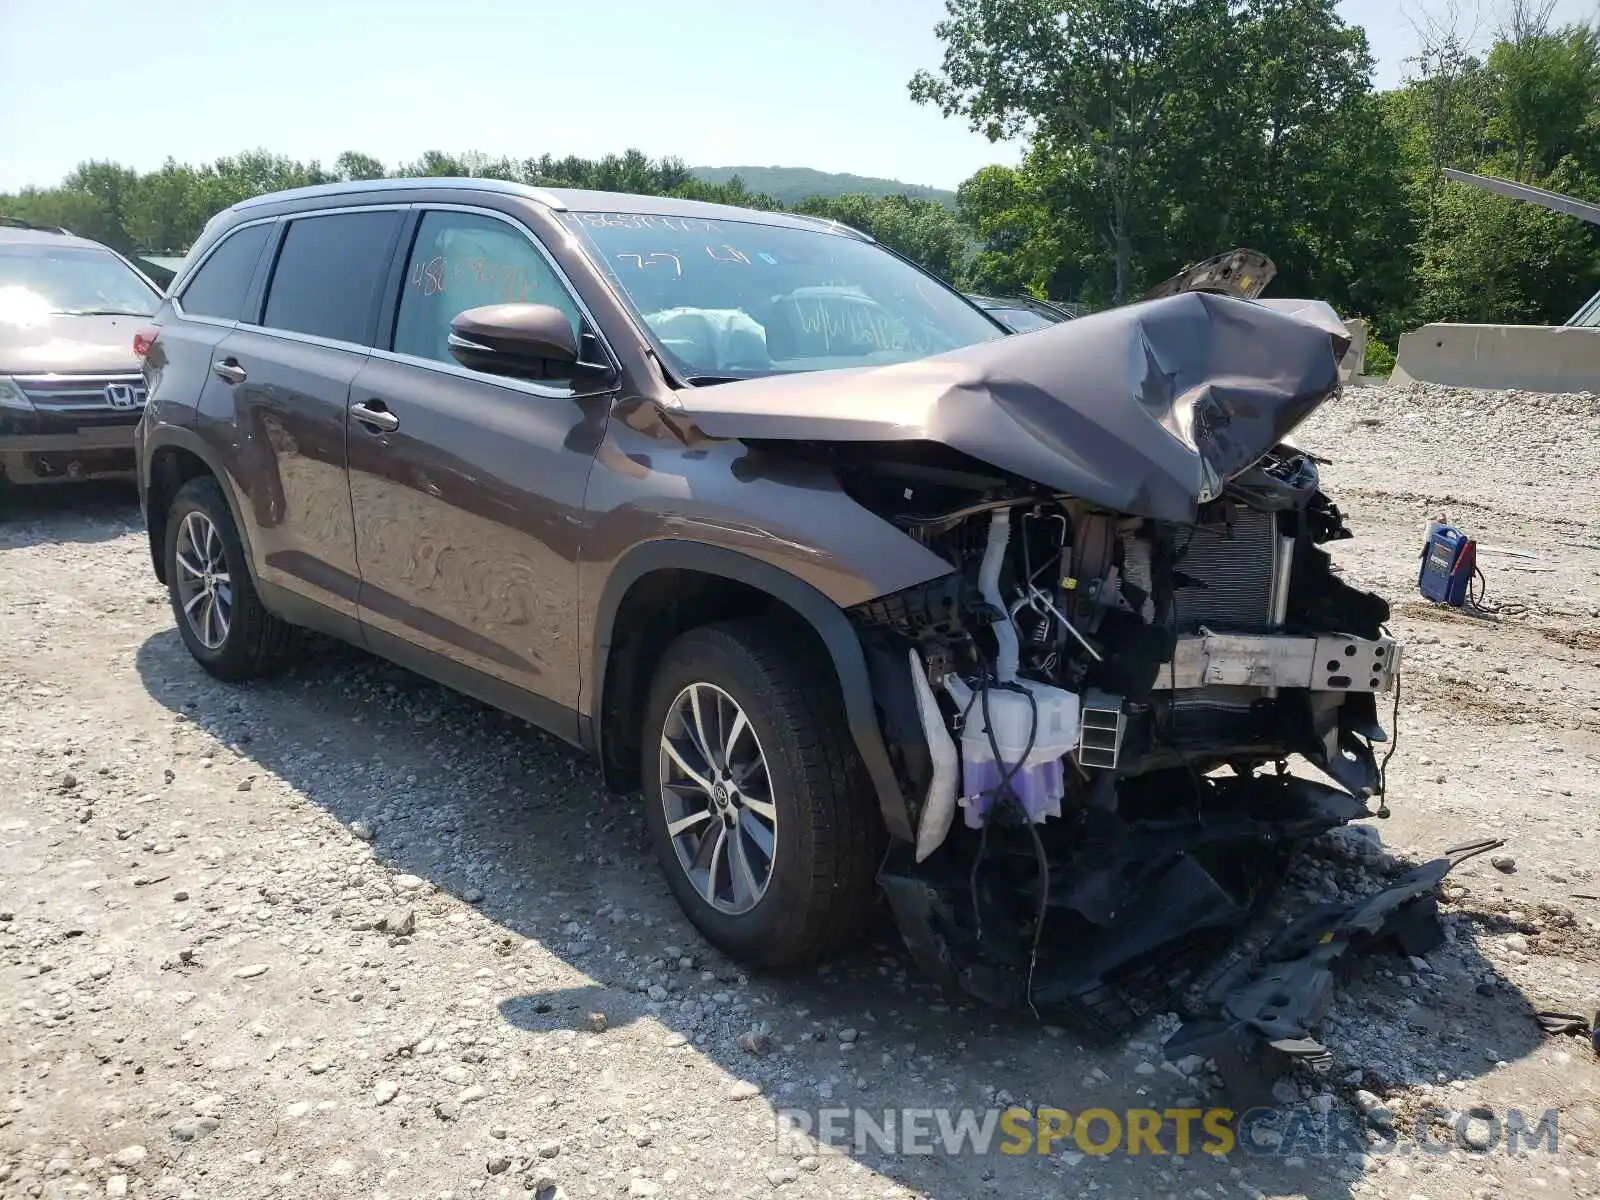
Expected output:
{"points": [[1263, 1132]]}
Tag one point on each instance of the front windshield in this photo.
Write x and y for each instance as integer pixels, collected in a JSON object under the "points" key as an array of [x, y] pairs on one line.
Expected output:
{"points": [[71, 279], [737, 299]]}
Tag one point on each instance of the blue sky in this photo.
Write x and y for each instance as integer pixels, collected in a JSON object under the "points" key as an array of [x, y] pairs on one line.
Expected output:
{"points": [[819, 84]]}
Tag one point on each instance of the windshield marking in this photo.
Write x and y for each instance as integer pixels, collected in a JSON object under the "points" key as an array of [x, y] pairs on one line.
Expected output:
{"points": [[601, 220], [641, 264], [737, 255]]}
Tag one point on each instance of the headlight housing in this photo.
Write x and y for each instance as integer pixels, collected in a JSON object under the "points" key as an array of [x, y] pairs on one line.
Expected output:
{"points": [[12, 397]]}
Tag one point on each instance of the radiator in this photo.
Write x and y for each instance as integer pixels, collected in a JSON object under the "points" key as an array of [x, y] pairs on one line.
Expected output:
{"points": [[1236, 570]]}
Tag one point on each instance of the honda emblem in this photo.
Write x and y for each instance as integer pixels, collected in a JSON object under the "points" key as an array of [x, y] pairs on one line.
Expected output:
{"points": [[124, 395]]}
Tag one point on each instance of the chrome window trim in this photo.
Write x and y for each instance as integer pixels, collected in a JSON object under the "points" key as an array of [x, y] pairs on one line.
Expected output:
{"points": [[189, 276], [309, 339], [529, 386], [423, 208]]}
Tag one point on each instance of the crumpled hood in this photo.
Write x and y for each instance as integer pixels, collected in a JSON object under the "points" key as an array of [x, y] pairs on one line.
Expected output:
{"points": [[59, 343], [1145, 409]]}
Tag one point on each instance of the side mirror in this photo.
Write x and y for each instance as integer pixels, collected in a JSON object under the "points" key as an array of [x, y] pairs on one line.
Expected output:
{"points": [[522, 341]]}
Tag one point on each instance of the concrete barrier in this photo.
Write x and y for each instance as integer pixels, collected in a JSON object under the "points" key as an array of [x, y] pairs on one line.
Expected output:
{"points": [[1530, 358], [1354, 362]]}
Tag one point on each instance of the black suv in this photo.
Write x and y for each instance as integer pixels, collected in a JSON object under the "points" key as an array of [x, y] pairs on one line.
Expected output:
{"points": [[70, 385]]}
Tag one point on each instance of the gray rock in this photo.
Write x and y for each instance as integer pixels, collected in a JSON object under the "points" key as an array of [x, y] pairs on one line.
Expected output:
{"points": [[251, 972], [848, 1035], [779, 1176], [472, 895], [743, 1090], [756, 1040], [549, 1149], [401, 922], [1504, 862], [498, 1164], [1477, 1135], [362, 830], [192, 1129], [130, 1156], [384, 1091]]}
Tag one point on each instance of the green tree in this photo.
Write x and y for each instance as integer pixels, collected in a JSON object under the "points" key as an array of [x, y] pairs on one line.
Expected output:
{"points": [[352, 164], [1544, 85], [923, 230], [1088, 81]]}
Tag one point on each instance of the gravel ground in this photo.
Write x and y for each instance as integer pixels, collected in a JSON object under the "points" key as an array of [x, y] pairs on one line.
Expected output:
{"points": [[347, 934]]}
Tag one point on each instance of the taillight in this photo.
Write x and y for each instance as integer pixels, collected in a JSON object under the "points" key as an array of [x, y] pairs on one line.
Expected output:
{"points": [[144, 339]]}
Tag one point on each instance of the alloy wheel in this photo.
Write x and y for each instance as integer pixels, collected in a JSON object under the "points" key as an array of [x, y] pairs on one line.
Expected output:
{"points": [[205, 588], [716, 792]]}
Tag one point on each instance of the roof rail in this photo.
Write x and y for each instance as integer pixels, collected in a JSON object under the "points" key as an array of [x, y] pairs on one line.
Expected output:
{"points": [[479, 183], [19, 223]]}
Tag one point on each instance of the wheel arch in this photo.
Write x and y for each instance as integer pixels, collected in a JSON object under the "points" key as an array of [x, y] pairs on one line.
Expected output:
{"points": [[653, 578], [176, 456]]}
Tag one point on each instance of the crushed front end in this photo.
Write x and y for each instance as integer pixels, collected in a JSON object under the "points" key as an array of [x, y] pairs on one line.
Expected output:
{"points": [[1093, 714]]}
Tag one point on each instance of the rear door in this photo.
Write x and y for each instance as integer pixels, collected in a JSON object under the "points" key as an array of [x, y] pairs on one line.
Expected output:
{"points": [[468, 488], [281, 380]]}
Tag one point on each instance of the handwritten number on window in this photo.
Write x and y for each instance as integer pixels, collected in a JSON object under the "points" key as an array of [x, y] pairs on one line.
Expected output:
{"points": [[642, 261]]}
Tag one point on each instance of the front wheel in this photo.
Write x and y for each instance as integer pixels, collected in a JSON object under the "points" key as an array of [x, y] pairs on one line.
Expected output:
{"points": [[756, 801], [220, 617]]}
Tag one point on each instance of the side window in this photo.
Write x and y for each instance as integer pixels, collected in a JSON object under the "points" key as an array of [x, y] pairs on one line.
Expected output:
{"points": [[330, 272], [218, 287], [460, 261]]}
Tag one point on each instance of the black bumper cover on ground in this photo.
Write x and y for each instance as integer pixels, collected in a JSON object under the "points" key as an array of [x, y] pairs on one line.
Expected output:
{"points": [[1263, 1020], [1138, 909]]}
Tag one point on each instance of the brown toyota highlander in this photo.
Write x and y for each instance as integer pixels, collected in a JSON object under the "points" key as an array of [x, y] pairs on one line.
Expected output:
{"points": [[865, 595], [70, 385]]}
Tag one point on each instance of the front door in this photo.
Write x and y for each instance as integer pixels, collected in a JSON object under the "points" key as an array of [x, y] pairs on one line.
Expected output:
{"points": [[468, 489]]}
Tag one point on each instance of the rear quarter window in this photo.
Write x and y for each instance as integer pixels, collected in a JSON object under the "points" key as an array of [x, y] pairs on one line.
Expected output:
{"points": [[218, 288], [330, 274]]}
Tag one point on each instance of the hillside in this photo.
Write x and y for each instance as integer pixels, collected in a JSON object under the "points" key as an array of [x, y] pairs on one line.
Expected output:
{"points": [[790, 184]]}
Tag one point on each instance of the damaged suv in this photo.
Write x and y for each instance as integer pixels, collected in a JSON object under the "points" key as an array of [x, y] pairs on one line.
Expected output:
{"points": [[860, 591]]}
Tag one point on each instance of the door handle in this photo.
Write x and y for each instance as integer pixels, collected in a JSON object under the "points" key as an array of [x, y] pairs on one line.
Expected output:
{"points": [[229, 369], [378, 419]]}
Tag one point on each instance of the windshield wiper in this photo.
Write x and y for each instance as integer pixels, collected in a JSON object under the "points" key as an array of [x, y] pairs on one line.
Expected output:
{"points": [[101, 312], [711, 380]]}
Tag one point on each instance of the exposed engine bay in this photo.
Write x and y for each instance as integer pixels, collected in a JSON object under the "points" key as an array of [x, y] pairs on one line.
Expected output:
{"points": [[1093, 715]]}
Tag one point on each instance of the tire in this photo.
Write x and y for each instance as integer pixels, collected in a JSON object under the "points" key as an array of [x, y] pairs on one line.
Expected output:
{"points": [[253, 642], [819, 889]]}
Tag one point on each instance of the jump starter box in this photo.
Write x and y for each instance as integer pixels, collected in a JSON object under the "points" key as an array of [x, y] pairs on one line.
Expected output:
{"points": [[1449, 560]]}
